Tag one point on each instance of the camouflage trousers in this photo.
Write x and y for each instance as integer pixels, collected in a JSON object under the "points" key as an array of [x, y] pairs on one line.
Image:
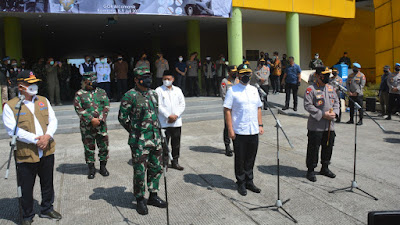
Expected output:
{"points": [[146, 159], [95, 135]]}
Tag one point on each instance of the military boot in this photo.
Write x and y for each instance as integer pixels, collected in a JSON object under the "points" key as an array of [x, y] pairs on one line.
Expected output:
{"points": [[92, 171], [326, 172], [103, 169], [311, 175], [141, 206], [176, 165], [156, 201], [228, 150]]}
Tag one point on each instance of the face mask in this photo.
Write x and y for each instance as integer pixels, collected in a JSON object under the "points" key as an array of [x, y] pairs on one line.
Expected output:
{"points": [[223, 59], [262, 63], [23, 63], [31, 90], [385, 71], [145, 82], [334, 74], [180, 59], [14, 64], [226, 63], [120, 59], [208, 58], [233, 75], [103, 61], [325, 79], [355, 70], [245, 79], [284, 57], [274, 57], [167, 83], [397, 69], [8, 62], [316, 57], [51, 62]]}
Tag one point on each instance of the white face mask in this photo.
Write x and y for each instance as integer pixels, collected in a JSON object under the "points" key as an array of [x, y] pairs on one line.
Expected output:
{"points": [[167, 83], [316, 57], [31, 90], [180, 59]]}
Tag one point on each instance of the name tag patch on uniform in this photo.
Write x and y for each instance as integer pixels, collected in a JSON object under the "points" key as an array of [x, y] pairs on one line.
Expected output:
{"points": [[319, 96], [21, 114], [43, 108]]}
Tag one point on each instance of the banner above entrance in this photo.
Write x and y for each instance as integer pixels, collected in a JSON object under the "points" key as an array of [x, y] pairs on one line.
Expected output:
{"points": [[205, 8]]}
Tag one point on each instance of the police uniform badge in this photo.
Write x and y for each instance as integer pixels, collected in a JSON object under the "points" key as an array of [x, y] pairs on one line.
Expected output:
{"points": [[320, 102], [308, 91]]}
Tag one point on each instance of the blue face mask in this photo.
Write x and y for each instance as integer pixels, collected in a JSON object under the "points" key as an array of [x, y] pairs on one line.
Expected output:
{"points": [[51, 62]]}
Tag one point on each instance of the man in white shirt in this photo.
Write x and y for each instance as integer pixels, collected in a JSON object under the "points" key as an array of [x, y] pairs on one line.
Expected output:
{"points": [[171, 104], [35, 145], [87, 66], [103, 70], [242, 107]]}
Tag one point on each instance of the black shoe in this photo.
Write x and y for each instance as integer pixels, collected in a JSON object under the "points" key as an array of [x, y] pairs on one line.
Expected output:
{"points": [[285, 108], [295, 109], [388, 118], [326, 172], [338, 121], [141, 206], [228, 151], [253, 188], [92, 171], [350, 122], [360, 123], [175, 165], [53, 215], [103, 169], [311, 176], [27, 222], [242, 189], [156, 201]]}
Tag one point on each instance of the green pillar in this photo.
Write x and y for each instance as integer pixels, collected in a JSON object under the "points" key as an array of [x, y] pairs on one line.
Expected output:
{"points": [[235, 37], [12, 37], [193, 40], [293, 36]]}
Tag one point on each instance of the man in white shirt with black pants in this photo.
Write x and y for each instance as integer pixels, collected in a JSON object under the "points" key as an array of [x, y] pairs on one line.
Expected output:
{"points": [[242, 107], [35, 145], [103, 70], [171, 104]]}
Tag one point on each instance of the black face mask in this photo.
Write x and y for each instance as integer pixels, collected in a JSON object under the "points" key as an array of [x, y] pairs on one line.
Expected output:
{"points": [[325, 78], [397, 69], [245, 79], [334, 74], [233, 75], [355, 70], [385, 71], [145, 81], [262, 63]]}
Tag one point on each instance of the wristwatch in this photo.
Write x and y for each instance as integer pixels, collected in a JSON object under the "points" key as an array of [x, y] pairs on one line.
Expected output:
{"points": [[261, 125]]}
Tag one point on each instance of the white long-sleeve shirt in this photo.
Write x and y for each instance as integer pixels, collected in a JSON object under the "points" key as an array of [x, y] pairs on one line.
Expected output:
{"points": [[103, 71], [81, 71], [170, 102], [23, 135]]}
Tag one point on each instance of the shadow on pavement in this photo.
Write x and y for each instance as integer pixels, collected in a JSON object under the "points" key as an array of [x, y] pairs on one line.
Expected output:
{"points": [[286, 171], [209, 181], [115, 196], [392, 140], [9, 209], [207, 149], [73, 168], [130, 162]]}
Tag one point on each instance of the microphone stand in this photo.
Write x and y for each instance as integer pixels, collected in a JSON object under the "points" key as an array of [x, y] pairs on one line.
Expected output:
{"points": [[354, 184], [278, 204], [13, 144], [166, 152]]}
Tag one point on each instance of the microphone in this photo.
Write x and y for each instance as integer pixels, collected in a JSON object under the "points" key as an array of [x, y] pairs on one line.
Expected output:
{"points": [[339, 86], [21, 99], [260, 90]]}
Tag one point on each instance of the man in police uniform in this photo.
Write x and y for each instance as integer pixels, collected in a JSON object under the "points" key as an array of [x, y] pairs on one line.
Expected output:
{"points": [[242, 107], [394, 90], [321, 101], [35, 146], [355, 84], [227, 83], [92, 106], [337, 79], [138, 115]]}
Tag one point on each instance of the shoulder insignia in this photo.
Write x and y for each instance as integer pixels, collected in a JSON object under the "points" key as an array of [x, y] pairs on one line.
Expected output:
{"points": [[309, 90], [223, 85], [41, 104]]}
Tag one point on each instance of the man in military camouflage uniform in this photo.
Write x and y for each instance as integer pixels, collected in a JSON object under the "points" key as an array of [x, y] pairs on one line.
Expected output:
{"points": [[316, 62], [227, 83], [337, 79], [92, 106], [138, 115], [321, 101], [355, 84]]}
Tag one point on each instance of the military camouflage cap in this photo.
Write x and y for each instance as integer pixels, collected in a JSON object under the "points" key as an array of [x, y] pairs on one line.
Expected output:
{"points": [[90, 76], [142, 70]]}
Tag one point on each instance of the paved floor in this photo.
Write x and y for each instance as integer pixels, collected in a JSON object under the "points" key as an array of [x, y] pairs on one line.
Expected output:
{"points": [[205, 192]]}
